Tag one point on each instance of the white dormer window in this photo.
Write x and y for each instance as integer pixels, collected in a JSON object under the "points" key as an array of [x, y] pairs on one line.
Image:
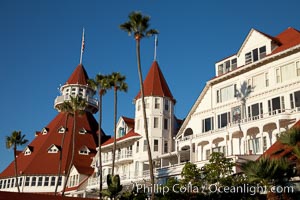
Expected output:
{"points": [[53, 149], [82, 131], [84, 150], [62, 130], [44, 131], [27, 151]]}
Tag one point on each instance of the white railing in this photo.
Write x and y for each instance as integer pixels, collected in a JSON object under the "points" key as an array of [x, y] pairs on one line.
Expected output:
{"points": [[120, 156], [243, 121], [62, 98]]}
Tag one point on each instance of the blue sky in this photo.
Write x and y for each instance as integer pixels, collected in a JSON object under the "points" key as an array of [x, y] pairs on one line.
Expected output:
{"points": [[40, 48]]}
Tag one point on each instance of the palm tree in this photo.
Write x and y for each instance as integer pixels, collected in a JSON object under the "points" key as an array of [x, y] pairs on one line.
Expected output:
{"points": [[291, 138], [267, 172], [118, 83], [102, 85], [138, 25], [75, 106], [60, 155], [15, 139]]}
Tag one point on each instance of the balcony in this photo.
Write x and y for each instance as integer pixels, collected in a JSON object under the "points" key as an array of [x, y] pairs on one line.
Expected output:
{"points": [[92, 103], [121, 158]]}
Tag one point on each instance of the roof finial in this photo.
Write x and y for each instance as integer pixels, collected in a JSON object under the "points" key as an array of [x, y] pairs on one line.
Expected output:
{"points": [[155, 46], [82, 46]]}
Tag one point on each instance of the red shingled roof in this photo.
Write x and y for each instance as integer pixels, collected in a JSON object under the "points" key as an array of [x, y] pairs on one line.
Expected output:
{"points": [[31, 196], [288, 38], [155, 84], [38, 162], [130, 134], [278, 149], [79, 76]]}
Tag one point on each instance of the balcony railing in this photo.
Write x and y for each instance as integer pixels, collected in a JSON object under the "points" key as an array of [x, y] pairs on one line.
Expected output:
{"points": [[119, 157], [90, 100], [249, 119]]}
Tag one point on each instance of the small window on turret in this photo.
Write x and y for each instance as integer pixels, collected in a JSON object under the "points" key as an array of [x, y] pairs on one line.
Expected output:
{"points": [[82, 131], [62, 130], [44, 131], [166, 104]]}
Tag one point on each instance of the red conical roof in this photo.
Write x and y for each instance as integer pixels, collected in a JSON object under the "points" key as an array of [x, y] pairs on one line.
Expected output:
{"points": [[40, 162], [155, 84], [79, 76]]}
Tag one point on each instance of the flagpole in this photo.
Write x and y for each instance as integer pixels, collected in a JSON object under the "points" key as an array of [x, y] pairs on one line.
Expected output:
{"points": [[155, 47], [82, 46]]}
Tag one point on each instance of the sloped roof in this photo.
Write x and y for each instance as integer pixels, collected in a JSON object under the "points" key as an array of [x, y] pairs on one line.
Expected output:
{"points": [[288, 38], [130, 134], [278, 150], [155, 84], [79, 76], [38, 161]]}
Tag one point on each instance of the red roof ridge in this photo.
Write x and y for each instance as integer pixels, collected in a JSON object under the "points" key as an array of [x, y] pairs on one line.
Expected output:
{"points": [[155, 83], [79, 76]]}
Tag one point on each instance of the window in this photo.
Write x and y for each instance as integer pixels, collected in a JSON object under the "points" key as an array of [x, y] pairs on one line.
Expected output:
{"points": [[82, 131], [121, 132], [53, 181], [155, 125], [46, 182], [59, 180], [138, 105], [166, 147], [20, 181], [248, 58], [267, 79], [276, 105], [147, 103], [155, 145], [62, 130], [298, 68], [145, 145], [258, 80], [156, 104], [226, 93], [0, 184], [137, 146], [255, 110], [254, 145], [44, 131], [207, 124], [166, 104], [84, 151], [166, 124], [40, 181], [8, 183], [27, 181], [33, 181], [207, 153], [236, 114], [53, 149], [264, 143], [227, 66], [255, 55], [278, 77], [138, 124], [223, 119]]}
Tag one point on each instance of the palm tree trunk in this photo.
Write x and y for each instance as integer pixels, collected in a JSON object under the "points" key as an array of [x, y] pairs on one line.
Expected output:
{"points": [[16, 167], [73, 153], [99, 146], [145, 117], [60, 154], [115, 131]]}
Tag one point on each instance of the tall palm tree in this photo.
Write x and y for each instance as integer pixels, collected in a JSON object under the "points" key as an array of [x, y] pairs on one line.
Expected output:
{"points": [[138, 25], [118, 83], [267, 172], [101, 84], [75, 106], [15, 139]]}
